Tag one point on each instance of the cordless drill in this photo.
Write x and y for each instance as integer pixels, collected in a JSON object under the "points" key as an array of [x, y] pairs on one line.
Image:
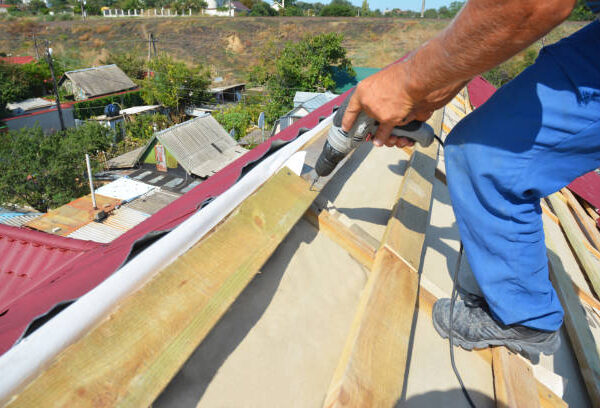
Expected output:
{"points": [[339, 143]]}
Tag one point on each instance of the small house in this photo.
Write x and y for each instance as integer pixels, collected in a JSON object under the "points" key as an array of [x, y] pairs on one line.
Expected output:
{"points": [[97, 81]]}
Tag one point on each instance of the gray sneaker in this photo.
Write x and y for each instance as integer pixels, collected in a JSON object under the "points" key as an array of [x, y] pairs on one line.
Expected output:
{"points": [[474, 327]]}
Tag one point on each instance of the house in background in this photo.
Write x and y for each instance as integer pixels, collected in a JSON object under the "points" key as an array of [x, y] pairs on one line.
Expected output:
{"points": [[199, 147], [304, 103], [227, 8], [38, 111], [97, 81]]}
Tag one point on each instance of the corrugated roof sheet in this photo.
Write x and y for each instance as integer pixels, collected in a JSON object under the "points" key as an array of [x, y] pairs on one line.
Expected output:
{"points": [[124, 189], [18, 219], [101, 80], [138, 109], [18, 108], [317, 101], [201, 145], [127, 160], [28, 259], [71, 216], [300, 97], [153, 202], [120, 221]]}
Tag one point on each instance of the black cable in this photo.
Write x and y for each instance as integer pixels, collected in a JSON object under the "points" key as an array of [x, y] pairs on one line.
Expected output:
{"points": [[450, 332]]}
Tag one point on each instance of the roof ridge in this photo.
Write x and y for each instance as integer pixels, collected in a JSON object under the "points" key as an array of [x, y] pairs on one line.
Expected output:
{"points": [[42, 238]]}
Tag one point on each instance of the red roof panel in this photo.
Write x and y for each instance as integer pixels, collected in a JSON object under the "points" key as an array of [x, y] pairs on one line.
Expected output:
{"points": [[18, 60], [480, 91]]}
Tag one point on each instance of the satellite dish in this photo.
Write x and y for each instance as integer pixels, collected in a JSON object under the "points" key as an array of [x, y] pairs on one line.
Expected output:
{"points": [[261, 120]]}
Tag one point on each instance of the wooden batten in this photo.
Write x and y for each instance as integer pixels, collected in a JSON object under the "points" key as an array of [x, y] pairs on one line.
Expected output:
{"points": [[372, 366], [576, 323], [588, 224], [514, 384], [576, 238]]}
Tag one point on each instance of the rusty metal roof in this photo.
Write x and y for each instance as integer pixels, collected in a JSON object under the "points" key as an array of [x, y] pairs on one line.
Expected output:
{"points": [[70, 217]]}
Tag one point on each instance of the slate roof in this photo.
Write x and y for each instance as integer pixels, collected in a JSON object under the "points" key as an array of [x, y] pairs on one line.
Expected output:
{"points": [[101, 80], [18, 108], [201, 145]]}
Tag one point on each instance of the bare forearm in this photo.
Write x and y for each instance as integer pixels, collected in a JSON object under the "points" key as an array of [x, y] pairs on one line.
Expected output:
{"points": [[484, 34]]}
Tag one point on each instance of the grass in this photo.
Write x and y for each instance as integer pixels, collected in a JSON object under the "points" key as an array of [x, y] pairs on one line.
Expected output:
{"points": [[229, 45]]}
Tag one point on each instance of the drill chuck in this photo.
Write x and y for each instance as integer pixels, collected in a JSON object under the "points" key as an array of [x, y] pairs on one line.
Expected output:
{"points": [[328, 160]]}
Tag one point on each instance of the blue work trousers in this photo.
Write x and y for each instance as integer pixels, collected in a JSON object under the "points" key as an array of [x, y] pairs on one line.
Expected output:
{"points": [[534, 136]]}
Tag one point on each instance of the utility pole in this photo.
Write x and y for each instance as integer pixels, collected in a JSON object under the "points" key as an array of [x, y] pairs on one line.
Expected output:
{"points": [[151, 48], [35, 45], [49, 59], [82, 10], [423, 9]]}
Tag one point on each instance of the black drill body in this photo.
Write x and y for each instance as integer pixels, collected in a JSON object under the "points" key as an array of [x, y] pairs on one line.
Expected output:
{"points": [[339, 143]]}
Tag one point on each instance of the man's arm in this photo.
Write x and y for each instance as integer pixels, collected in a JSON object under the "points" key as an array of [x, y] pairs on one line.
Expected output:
{"points": [[484, 34]]}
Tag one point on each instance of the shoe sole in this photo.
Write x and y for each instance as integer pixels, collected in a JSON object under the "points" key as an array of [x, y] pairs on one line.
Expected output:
{"points": [[516, 346]]}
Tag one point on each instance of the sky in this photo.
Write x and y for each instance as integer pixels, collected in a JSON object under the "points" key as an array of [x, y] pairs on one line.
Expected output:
{"points": [[391, 4]]}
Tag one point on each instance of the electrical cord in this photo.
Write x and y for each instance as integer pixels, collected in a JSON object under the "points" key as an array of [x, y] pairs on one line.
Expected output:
{"points": [[450, 327], [451, 323]]}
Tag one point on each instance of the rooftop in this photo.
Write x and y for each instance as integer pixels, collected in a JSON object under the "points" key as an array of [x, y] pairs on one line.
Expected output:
{"points": [[97, 81]]}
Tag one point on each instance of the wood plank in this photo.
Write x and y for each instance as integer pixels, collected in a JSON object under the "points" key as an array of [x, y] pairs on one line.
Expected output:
{"points": [[575, 236], [583, 218], [514, 384], [372, 366], [548, 399], [359, 244], [582, 339], [129, 358]]}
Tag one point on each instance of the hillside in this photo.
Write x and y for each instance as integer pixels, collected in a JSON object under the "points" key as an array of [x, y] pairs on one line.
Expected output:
{"points": [[227, 45]]}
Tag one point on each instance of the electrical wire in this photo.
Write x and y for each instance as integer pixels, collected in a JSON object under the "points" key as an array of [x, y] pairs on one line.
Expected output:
{"points": [[451, 324]]}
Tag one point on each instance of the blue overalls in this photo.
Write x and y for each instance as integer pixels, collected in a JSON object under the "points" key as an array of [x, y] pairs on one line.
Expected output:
{"points": [[534, 136]]}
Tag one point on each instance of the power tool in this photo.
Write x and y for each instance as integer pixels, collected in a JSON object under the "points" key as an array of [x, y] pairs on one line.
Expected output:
{"points": [[339, 142]]}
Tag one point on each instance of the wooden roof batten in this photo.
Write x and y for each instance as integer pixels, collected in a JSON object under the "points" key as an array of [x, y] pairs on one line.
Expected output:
{"points": [[127, 360]]}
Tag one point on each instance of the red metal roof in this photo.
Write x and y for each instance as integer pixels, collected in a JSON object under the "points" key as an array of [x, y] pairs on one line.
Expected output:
{"points": [[588, 188], [480, 91], [28, 258], [18, 60]]}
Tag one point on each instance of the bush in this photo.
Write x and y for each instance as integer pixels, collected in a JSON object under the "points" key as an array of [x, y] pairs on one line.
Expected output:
{"points": [[508, 70], [338, 8], [87, 109], [239, 117], [47, 171]]}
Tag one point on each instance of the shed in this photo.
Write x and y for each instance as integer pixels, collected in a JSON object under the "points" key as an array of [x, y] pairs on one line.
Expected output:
{"points": [[96, 81], [201, 145]]}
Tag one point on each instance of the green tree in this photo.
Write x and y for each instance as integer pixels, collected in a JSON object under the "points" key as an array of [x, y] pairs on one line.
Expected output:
{"points": [[430, 13], [174, 85], [338, 8], [364, 9], [306, 65], [581, 12], [46, 171], [133, 65], [239, 117], [262, 9]]}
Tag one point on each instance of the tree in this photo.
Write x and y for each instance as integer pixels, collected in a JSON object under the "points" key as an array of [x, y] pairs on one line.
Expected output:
{"points": [[134, 66], [581, 12], [262, 9], [174, 85], [364, 9], [431, 13], [306, 65], [338, 8], [46, 171], [239, 117]]}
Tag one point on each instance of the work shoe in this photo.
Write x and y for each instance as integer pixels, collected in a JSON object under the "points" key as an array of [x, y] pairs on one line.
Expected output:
{"points": [[474, 327]]}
